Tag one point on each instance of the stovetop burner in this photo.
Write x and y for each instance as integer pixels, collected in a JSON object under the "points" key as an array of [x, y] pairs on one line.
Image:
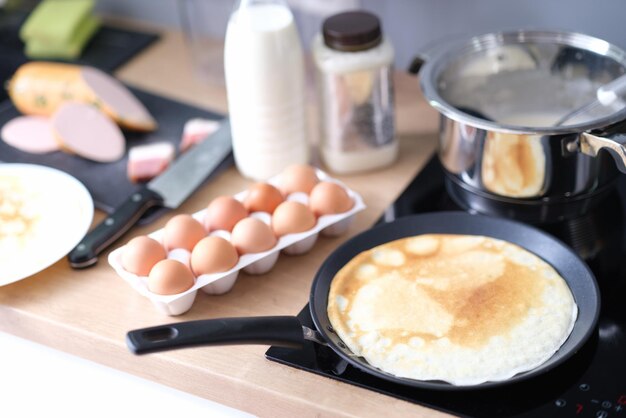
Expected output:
{"points": [[591, 384]]}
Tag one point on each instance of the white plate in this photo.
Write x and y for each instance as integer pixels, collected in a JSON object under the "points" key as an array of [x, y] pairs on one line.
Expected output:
{"points": [[44, 213]]}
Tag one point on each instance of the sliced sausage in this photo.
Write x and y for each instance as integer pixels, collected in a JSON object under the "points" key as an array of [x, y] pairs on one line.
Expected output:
{"points": [[86, 131], [30, 134], [40, 88], [117, 101]]}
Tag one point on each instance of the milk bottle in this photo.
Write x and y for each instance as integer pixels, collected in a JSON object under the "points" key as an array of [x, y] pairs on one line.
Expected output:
{"points": [[264, 71]]}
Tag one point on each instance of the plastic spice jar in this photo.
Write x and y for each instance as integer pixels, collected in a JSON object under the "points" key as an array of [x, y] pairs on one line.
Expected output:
{"points": [[355, 89]]}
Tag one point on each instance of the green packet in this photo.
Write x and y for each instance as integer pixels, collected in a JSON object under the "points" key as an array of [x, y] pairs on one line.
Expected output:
{"points": [[70, 50], [56, 21]]}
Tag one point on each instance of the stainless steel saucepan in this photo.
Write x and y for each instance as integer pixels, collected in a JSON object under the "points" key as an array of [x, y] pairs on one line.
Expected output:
{"points": [[501, 97]]}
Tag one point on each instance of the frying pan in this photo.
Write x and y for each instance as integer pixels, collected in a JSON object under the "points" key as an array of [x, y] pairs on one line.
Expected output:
{"points": [[287, 331]]}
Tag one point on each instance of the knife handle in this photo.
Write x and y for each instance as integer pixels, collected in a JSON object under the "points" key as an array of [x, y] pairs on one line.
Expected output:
{"points": [[85, 254]]}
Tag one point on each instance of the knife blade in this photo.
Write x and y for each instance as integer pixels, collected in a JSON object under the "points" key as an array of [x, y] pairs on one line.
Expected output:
{"points": [[169, 189]]}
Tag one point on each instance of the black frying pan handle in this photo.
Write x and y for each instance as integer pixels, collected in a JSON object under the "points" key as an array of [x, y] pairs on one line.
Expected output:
{"points": [[284, 331]]}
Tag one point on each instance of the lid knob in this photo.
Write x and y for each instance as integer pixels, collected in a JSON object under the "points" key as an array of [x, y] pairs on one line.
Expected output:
{"points": [[352, 31]]}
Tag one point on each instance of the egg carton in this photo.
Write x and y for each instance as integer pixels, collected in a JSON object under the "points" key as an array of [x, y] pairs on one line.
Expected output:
{"points": [[257, 263]]}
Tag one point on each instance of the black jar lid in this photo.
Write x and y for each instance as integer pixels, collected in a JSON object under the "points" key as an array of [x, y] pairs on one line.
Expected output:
{"points": [[352, 31]]}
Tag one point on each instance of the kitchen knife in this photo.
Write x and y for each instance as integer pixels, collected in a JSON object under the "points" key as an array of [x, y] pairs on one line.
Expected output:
{"points": [[169, 189]]}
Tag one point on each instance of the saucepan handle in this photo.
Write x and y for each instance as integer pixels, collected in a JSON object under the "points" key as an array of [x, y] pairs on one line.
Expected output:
{"points": [[612, 139], [284, 331], [431, 50], [416, 64]]}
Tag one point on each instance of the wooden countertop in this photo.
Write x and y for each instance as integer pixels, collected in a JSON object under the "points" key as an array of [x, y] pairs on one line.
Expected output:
{"points": [[87, 312]]}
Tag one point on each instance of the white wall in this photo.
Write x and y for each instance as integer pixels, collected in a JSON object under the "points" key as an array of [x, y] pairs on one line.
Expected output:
{"points": [[411, 24]]}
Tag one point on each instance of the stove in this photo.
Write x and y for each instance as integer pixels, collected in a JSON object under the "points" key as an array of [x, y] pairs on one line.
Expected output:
{"points": [[590, 384]]}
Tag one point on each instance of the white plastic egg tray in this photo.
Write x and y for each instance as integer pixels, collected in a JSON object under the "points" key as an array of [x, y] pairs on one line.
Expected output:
{"points": [[257, 263]]}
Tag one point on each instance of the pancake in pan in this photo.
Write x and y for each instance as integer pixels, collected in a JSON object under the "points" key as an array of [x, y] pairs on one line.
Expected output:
{"points": [[457, 308]]}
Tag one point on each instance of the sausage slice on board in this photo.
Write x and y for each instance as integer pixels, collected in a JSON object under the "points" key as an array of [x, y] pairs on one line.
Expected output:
{"points": [[30, 134], [84, 130]]}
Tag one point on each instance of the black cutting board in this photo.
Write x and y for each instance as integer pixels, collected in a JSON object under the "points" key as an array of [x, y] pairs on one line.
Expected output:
{"points": [[108, 182]]}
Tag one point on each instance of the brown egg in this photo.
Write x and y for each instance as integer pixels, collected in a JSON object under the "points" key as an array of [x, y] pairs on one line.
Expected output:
{"points": [[297, 178], [169, 277], [182, 231], [263, 197], [223, 213], [251, 235], [292, 217], [213, 255], [327, 198], [141, 254]]}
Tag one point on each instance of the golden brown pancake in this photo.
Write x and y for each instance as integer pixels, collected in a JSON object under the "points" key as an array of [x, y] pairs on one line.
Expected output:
{"points": [[458, 308], [513, 165]]}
